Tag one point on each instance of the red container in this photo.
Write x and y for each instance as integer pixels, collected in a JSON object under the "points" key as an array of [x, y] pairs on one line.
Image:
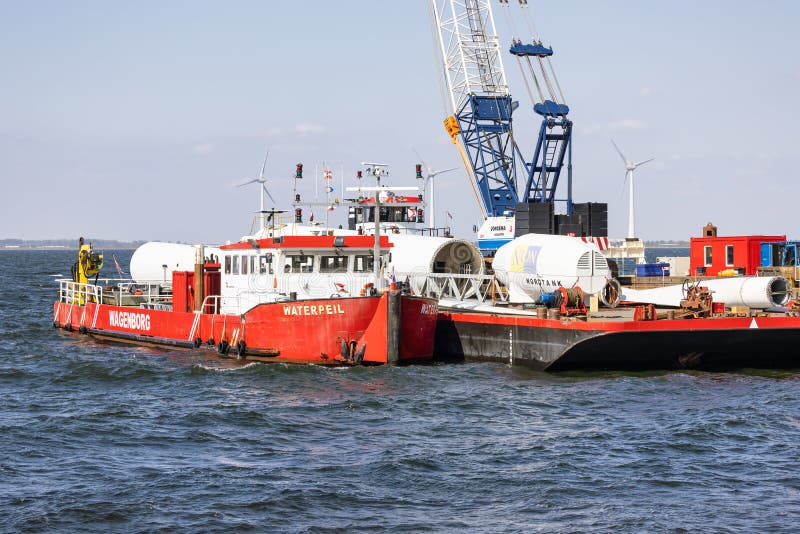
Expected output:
{"points": [[717, 307], [182, 291]]}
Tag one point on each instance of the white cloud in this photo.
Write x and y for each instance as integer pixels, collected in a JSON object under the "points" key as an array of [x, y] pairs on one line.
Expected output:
{"points": [[691, 156], [771, 155], [778, 189], [274, 132], [761, 155], [591, 129], [750, 173], [611, 127], [626, 124], [203, 148], [646, 91], [309, 128]]}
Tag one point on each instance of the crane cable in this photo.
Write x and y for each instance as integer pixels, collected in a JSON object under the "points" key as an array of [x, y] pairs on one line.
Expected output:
{"points": [[555, 78], [514, 40], [523, 4], [546, 79], [468, 167], [535, 79]]}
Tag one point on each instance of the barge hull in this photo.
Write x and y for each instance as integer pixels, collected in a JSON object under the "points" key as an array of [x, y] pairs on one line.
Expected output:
{"points": [[556, 345]]}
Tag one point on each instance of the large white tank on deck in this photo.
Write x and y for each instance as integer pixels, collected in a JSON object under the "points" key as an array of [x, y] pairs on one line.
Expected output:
{"points": [[155, 260], [534, 264], [413, 254]]}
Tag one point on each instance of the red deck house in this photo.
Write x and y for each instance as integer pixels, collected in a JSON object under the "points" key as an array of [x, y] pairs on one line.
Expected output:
{"points": [[711, 253]]}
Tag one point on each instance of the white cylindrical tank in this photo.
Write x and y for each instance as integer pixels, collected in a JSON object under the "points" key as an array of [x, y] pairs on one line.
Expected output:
{"points": [[414, 254], [759, 292], [155, 260], [534, 264]]}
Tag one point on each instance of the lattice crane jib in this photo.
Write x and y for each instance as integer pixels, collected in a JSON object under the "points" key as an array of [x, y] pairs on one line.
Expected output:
{"points": [[477, 100]]}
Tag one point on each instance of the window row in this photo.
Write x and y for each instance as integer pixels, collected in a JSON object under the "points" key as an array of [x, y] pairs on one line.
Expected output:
{"points": [[297, 263]]}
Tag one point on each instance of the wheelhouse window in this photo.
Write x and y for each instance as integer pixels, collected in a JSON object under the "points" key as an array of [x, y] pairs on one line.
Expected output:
{"points": [[244, 264], [227, 265], [235, 266], [265, 264], [407, 214], [729, 255], [363, 264], [299, 264], [707, 250], [333, 264]]}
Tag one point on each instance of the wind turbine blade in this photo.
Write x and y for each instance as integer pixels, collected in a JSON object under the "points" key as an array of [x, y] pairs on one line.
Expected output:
{"points": [[625, 161], [643, 162], [250, 182], [434, 173], [267, 192], [624, 183], [263, 165]]}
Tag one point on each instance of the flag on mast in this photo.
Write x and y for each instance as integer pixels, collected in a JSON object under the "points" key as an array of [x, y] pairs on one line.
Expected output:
{"points": [[116, 265]]}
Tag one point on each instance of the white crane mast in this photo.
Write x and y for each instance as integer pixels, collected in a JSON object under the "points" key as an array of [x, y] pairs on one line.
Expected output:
{"points": [[470, 51]]}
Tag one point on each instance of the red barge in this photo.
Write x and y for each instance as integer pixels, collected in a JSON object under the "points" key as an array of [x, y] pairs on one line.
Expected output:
{"points": [[297, 299]]}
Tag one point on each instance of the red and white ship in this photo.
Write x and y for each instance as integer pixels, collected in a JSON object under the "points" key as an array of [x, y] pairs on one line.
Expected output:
{"points": [[299, 299]]}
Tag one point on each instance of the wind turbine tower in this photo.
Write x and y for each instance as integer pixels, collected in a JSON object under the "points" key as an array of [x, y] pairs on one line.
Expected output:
{"points": [[263, 189], [429, 187], [629, 168]]}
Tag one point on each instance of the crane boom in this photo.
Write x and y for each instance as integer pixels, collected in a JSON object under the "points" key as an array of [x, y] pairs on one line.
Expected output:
{"points": [[480, 105]]}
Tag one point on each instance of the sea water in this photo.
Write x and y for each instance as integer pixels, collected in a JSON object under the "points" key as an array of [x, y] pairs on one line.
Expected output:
{"points": [[117, 438]]}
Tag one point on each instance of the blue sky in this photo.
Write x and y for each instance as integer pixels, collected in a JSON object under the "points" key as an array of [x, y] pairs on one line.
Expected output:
{"points": [[134, 120]]}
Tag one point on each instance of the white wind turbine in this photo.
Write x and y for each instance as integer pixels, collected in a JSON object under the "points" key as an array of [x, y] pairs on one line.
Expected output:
{"points": [[430, 174], [629, 168], [261, 180]]}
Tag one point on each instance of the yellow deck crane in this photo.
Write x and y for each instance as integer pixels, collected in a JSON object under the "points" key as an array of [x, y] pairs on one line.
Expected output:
{"points": [[89, 264]]}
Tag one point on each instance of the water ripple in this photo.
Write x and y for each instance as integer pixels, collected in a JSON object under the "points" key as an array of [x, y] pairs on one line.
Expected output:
{"points": [[105, 437]]}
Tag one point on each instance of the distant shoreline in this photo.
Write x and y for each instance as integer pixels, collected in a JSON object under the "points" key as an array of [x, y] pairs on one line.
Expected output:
{"points": [[58, 244]]}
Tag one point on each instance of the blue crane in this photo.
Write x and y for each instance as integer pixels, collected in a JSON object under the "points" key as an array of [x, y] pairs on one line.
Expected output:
{"points": [[481, 107]]}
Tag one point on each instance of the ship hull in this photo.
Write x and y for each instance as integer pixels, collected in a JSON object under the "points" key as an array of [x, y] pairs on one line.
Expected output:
{"points": [[553, 345], [392, 328]]}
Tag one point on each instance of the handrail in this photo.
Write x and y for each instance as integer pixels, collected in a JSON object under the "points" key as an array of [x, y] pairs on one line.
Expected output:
{"points": [[481, 287], [152, 292]]}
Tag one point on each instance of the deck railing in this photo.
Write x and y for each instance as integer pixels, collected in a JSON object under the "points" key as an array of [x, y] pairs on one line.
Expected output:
{"points": [[105, 290], [459, 287]]}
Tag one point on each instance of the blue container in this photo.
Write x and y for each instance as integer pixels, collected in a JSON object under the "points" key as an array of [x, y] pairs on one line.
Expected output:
{"points": [[652, 269]]}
